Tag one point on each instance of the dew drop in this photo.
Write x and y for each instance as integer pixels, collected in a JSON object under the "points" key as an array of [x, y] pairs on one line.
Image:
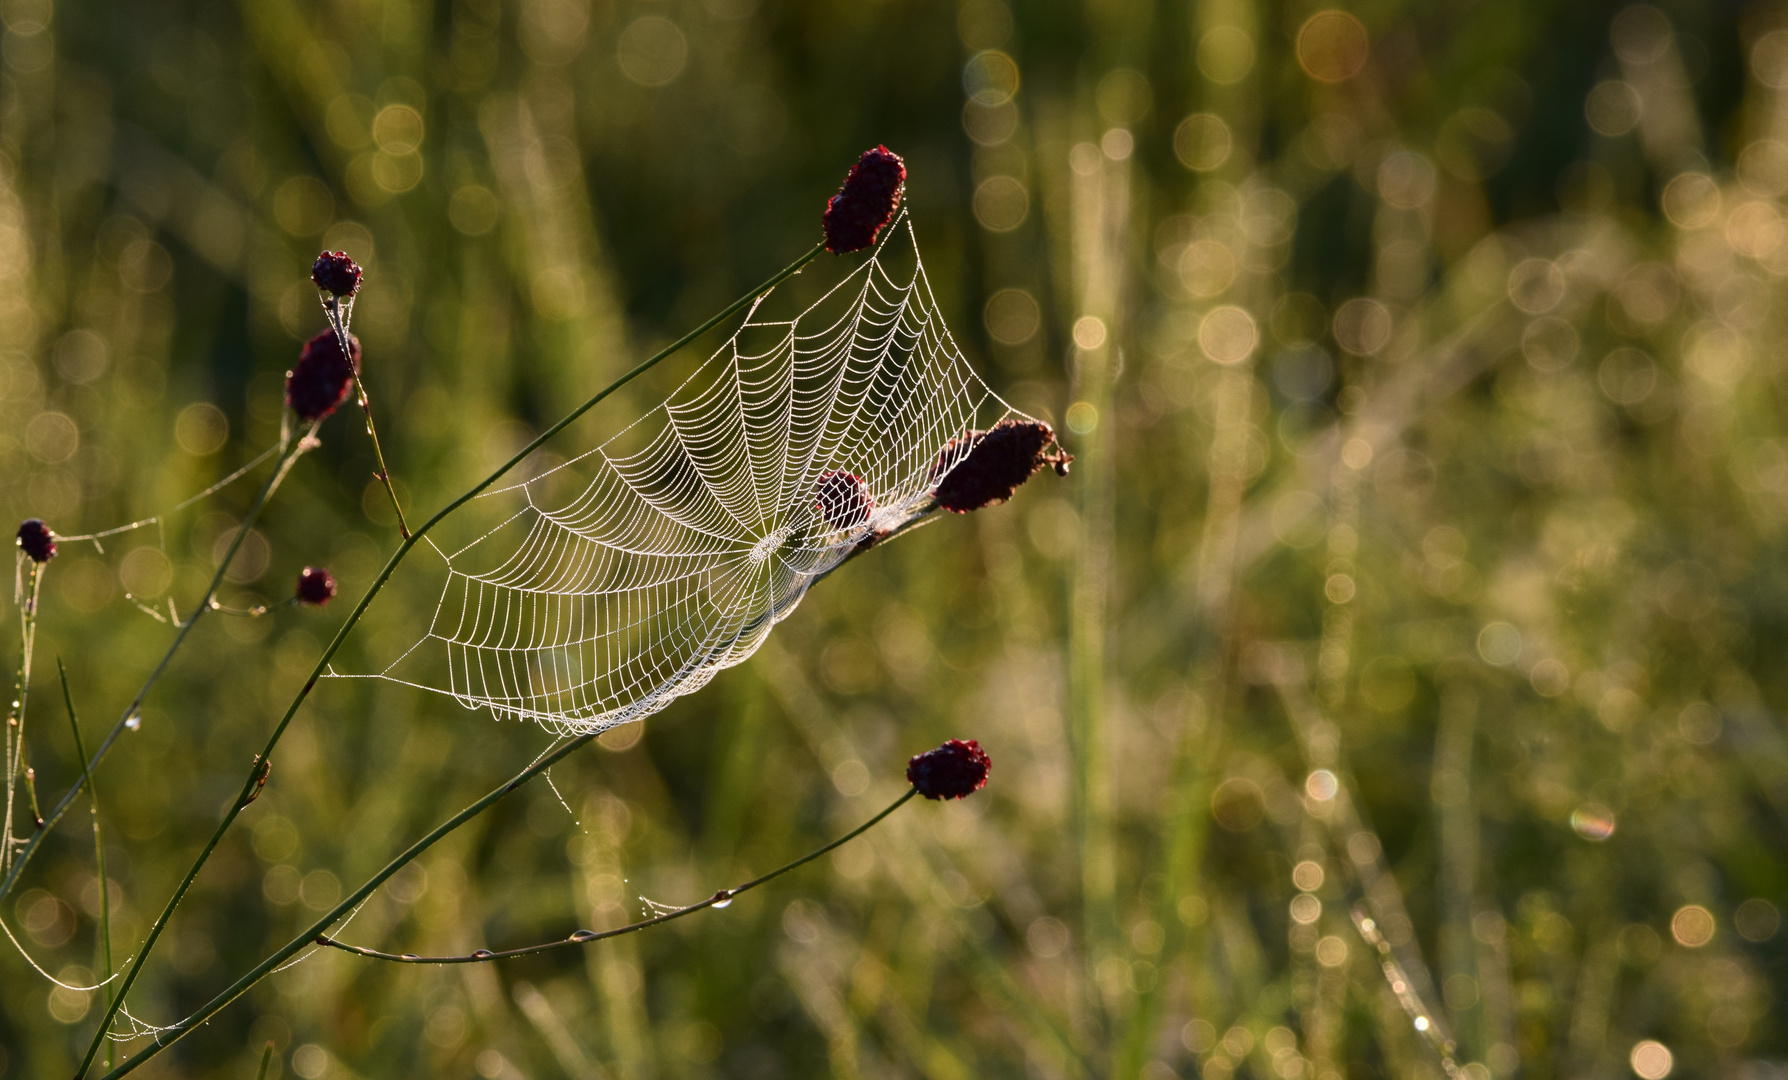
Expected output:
{"points": [[411, 956], [134, 723], [722, 899], [583, 935], [482, 954]]}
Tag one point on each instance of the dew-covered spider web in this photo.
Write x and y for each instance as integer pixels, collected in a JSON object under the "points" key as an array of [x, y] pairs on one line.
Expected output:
{"points": [[704, 522]]}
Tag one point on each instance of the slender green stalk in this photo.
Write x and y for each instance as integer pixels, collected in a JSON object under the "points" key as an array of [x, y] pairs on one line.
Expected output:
{"points": [[287, 459], [339, 314], [31, 789], [99, 847], [254, 774], [585, 937], [17, 760], [266, 1060]]}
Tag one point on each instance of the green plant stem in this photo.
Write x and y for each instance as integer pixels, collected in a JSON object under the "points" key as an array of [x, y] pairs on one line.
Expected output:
{"points": [[266, 1061], [338, 322], [31, 789], [17, 760], [384, 473], [99, 848], [297, 447], [585, 937], [335, 644]]}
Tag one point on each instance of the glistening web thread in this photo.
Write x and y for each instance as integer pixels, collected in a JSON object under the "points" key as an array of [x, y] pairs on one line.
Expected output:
{"points": [[706, 520]]}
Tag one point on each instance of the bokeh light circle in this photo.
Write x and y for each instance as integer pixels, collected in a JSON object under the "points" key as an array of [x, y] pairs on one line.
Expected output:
{"points": [[1332, 46], [1692, 925], [1651, 1060], [1228, 335]]}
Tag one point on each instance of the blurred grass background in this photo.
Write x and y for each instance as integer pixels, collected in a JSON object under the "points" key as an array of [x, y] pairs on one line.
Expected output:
{"points": [[1424, 554]]}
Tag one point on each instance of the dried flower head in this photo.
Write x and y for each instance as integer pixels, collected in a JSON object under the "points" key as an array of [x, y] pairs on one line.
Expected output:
{"points": [[336, 274], [315, 587], [981, 468], [322, 378], [954, 770], [37, 541], [867, 201], [843, 499]]}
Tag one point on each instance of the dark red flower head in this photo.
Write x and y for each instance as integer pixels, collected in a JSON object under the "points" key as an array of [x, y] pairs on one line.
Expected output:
{"points": [[954, 770], [866, 202], [981, 468], [37, 541], [321, 379], [843, 499], [336, 274], [315, 586]]}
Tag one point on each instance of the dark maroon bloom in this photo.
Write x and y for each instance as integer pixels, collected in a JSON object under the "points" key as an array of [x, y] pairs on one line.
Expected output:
{"points": [[315, 586], [866, 202], [321, 379], [37, 541], [843, 499], [336, 274], [985, 467], [954, 770]]}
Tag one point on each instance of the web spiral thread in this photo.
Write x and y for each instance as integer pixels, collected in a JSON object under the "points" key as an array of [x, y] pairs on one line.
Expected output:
{"points": [[707, 519]]}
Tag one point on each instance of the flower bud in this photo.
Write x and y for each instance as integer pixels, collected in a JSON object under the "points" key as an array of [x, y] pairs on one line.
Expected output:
{"points": [[336, 274], [843, 499], [955, 770], [37, 541], [982, 468], [315, 587], [867, 201], [321, 379]]}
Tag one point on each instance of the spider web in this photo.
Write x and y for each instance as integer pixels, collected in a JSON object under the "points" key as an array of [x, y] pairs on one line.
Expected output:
{"points": [[704, 523]]}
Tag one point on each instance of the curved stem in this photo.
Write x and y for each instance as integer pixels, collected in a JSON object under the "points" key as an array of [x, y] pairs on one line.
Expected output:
{"points": [[292, 451], [329, 652], [585, 937]]}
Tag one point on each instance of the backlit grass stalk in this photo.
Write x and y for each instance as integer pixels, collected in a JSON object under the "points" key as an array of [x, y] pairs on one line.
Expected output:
{"points": [[254, 776], [1198, 762], [289, 456], [1198, 766], [1457, 824], [1381, 899], [1099, 188]]}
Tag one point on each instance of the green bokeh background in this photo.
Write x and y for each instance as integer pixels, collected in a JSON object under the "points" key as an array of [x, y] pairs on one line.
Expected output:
{"points": [[1423, 367]]}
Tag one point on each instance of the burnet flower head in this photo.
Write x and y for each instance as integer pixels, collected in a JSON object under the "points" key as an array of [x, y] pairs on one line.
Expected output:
{"points": [[315, 587], [955, 770], [322, 378], [867, 201], [37, 541], [843, 499], [336, 274], [981, 468]]}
